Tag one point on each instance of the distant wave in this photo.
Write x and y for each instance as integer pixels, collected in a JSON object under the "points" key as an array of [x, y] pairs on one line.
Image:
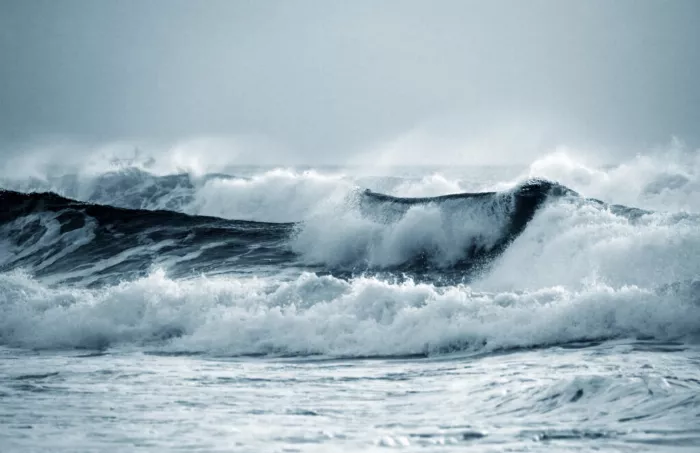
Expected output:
{"points": [[277, 195], [129, 187], [665, 180]]}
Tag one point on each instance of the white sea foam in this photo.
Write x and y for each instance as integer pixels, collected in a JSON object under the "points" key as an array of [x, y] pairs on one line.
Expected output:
{"points": [[664, 180], [279, 195], [325, 315], [571, 242], [383, 234], [578, 271]]}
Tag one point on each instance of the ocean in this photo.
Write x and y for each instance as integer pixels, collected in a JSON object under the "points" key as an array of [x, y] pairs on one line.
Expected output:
{"points": [[553, 306]]}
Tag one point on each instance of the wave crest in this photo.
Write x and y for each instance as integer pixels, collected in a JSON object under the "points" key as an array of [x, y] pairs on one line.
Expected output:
{"points": [[452, 231], [325, 315]]}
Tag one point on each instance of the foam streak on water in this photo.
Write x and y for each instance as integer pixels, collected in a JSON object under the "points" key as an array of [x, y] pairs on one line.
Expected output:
{"points": [[619, 396]]}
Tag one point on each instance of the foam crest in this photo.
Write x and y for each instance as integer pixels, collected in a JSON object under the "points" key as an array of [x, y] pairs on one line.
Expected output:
{"points": [[571, 242], [325, 315], [280, 195], [666, 180], [382, 234]]}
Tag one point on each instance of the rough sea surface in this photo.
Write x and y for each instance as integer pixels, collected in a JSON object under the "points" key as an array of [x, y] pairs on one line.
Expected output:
{"points": [[551, 307]]}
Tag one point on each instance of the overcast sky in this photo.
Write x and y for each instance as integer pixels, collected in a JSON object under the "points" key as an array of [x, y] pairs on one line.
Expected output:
{"points": [[328, 81]]}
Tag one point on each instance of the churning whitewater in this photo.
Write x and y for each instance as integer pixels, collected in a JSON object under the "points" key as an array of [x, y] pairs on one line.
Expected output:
{"points": [[350, 272], [551, 292]]}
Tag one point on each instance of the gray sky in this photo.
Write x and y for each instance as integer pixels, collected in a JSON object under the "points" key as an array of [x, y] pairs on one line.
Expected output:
{"points": [[336, 81]]}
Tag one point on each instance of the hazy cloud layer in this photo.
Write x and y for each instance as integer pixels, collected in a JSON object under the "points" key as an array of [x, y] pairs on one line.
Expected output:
{"points": [[331, 81]]}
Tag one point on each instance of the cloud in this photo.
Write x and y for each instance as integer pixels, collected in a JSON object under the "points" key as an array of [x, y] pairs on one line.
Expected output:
{"points": [[329, 80]]}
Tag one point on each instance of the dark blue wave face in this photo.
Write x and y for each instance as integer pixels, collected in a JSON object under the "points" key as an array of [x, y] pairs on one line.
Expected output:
{"points": [[93, 244], [49, 234]]}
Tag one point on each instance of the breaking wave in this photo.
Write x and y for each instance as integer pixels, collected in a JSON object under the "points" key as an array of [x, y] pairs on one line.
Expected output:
{"points": [[310, 262], [667, 180], [325, 315], [50, 234], [453, 231]]}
